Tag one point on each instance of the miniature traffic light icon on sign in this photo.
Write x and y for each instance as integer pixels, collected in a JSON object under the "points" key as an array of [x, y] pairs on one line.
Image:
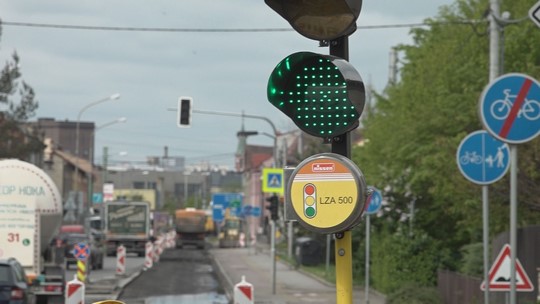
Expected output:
{"points": [[319, 19], [324, 95], [184, 112], [310, 200]]}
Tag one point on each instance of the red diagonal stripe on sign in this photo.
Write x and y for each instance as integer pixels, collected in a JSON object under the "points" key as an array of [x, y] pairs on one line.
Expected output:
{"points": [[515, 108], [72, 288], [246, 290]]}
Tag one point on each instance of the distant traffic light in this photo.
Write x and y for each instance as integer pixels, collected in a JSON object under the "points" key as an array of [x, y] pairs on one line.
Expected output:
{"points": [[319, 19], [324, 95], [184, 112], [273, 207]]}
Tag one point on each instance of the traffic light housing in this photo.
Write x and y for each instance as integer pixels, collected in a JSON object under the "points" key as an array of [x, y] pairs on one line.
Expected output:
{"points": [[273, 207], [184, 112], [319, 19], [323, 94]]}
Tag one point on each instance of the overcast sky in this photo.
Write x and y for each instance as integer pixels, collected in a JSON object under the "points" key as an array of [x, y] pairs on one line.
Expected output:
{"points": [[222, 71]]}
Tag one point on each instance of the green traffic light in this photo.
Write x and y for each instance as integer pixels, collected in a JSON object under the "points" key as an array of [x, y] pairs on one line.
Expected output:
{"points": [[324, 95]]}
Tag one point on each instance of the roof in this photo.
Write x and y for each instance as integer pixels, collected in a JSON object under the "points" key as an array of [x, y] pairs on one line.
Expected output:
{"points": [[256, 155], [81, 163]]}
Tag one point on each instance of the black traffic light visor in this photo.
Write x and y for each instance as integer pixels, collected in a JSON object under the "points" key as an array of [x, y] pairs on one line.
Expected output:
{"points": [[319, 19]]}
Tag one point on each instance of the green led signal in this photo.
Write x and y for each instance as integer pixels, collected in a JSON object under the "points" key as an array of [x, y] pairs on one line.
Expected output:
{"points": [[324, 95]]}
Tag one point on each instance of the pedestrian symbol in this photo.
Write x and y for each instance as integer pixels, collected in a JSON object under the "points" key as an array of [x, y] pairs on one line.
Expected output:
{"points": [[272, 180]]}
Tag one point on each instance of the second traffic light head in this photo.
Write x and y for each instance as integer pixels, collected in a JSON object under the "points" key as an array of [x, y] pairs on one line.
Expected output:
{"points": [[184, 112], [319, 19], [324, 95], [273, 207]]}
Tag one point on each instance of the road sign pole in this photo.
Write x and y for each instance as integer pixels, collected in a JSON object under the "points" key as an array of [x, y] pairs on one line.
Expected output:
{"points": [[494, 68], [344, 267], [368, 228], [273, 253], [513, 222], [485, 220], [342, 145]]}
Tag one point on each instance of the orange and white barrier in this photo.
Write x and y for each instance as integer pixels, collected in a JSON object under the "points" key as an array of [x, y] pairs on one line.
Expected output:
{"points": [[242, 240], [74, 292], [121, 260], [243, 292], [157, 250], [148, 259], [170, 239]]}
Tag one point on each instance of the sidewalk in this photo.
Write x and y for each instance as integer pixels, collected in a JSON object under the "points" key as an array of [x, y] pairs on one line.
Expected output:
{"points": [[291, 286]]}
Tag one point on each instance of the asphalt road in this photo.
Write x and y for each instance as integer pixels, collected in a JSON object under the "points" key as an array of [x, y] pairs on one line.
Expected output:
{"points": [[181, 276], [133, 263]]}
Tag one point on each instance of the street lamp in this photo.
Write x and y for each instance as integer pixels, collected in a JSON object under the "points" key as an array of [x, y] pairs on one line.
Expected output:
{"points": [[112, 97], [91, 156], [274, 137]]}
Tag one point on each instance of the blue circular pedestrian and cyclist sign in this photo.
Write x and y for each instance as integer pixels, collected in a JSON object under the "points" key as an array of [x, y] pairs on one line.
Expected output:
{"points": [[482, 159], [374, 201], [510, 108]]}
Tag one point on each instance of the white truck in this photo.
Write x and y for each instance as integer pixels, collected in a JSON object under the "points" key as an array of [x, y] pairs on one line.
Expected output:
{"points": [[127, 223], [30, 214]]}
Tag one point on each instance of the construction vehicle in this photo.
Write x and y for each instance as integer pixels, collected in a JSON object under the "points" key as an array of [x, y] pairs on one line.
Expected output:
{"points": [[190, 224], [230, 232], [126, 223], [31, 214]]}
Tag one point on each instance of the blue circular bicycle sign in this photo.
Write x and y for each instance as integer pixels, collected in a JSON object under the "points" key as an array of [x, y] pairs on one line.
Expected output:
{"points": [[510, 108], [482, 159]]}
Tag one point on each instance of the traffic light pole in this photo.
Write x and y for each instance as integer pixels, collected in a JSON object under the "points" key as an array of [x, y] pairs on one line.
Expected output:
{"points": [[343, 248]]}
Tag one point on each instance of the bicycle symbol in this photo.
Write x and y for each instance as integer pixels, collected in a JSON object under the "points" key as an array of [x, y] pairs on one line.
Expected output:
{"points": [[501, 107], [470, 157]]}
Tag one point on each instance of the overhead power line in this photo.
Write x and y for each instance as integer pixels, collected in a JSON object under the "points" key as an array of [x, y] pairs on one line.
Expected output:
{"points": [[218, 30]]}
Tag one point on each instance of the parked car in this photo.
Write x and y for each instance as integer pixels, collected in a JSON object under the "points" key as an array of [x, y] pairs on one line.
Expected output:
{"points": [[97, 256], [14, 287]]}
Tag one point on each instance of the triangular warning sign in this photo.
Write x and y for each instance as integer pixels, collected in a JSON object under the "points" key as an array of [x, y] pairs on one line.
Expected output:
{"points": [[499, 274]]}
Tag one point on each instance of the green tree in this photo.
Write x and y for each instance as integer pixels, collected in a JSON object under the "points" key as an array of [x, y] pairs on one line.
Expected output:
{"points": [[16, 139], [413, 134]]}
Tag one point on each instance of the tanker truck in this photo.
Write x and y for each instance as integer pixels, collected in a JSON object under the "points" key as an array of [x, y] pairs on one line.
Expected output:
{"points": [[30, 214]]}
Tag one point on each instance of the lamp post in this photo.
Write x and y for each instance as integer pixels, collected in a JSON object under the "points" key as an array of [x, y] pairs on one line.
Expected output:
{"points": [[91, 156], [112, 97]]}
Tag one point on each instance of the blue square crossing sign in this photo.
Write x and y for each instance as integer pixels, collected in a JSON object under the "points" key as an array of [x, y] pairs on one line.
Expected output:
{"points": [[272, 180]]}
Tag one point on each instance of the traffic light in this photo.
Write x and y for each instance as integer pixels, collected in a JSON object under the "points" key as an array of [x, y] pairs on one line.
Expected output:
{"points": [[319, 19], [184, 112], [324, 95], [273, 207]]}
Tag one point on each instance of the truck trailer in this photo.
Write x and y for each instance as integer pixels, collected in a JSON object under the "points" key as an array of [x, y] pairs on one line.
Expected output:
{"points": [[31, 213]]}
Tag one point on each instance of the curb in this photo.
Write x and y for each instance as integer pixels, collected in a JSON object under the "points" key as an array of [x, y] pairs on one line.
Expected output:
{"points": [[222, 277]]}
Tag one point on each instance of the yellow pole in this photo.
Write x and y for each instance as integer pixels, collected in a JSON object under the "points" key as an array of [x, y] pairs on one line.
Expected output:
{"points": [[81, 271], [343, 268]]}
